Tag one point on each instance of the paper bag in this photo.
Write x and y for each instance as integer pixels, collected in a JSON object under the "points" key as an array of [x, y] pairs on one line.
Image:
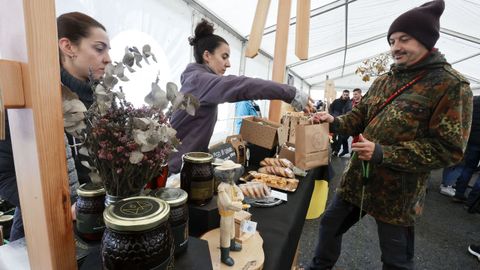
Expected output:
{"points": [[311, 146]]}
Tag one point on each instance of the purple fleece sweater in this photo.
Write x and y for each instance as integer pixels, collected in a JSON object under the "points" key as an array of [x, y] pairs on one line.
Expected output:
{"points": [[211, 89]]}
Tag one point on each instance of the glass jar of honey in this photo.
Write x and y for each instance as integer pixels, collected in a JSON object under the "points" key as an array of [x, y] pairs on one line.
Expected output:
{"points": [[196, 177], [137, 235], [89, 211], [177, 199]]}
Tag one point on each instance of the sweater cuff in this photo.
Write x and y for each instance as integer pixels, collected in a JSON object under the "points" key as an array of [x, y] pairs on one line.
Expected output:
{"points": [[300, 100], [377, 156]]}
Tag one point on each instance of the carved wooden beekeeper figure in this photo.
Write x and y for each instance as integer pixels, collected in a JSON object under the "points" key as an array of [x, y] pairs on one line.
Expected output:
{"points": [[229, 201]]}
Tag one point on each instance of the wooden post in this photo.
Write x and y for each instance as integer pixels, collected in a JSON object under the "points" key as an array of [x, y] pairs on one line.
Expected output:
{"points": [[38, 145], [258, 25], [303, 29], [280, 54], [11, 84]]}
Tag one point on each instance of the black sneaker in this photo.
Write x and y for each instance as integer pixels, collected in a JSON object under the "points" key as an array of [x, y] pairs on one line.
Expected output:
{"points": [[469, 209], [474, 250], [459, 198]]}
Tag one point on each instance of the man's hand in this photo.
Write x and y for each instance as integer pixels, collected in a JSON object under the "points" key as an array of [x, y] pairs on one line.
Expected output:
{"points": [[364, 148], [321, 117]]}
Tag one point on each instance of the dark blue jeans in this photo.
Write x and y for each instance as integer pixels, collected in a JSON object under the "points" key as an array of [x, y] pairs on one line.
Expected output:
{"points": [[472, 157], [396, 242], [9, 192]]}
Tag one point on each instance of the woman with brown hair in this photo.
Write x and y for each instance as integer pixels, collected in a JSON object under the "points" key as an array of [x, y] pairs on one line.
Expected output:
{"points": [[205, 80], [83, 47]]}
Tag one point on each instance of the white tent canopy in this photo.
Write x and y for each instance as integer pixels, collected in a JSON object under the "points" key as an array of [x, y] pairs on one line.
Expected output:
{"points": [[343, 33]]}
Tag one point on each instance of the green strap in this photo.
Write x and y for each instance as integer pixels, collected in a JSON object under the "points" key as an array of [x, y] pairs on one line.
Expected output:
{"points": [[365, 169]]}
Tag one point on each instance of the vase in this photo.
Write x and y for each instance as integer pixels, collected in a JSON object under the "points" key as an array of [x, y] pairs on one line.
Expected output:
{"points": [[110, 199]]}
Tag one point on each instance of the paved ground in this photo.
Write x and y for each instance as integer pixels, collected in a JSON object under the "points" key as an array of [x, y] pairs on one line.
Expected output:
{"points": [[442, 234]]}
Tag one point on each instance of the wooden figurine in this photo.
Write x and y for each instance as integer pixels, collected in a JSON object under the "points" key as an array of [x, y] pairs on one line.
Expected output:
{"points": [[229, 201]]}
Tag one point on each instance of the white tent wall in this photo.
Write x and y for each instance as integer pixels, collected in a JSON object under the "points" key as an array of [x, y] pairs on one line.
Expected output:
{"points": [[165, 25]]}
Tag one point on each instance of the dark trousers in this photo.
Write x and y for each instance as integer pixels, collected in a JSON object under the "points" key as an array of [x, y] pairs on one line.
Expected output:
{"points": [[471, 158], [340, 141], [396, 242], [9, 192]]}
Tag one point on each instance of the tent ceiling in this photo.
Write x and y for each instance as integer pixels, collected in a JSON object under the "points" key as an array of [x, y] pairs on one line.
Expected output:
{"points": [[343, 33]]}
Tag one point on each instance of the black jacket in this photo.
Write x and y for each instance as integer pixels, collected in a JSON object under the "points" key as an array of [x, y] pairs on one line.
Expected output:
{"points": [[340, 106]]}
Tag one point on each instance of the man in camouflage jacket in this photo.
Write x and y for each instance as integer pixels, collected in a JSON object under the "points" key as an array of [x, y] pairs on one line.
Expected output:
{"points": [[426, 127]]}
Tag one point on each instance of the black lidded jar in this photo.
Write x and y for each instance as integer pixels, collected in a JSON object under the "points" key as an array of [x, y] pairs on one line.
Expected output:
{"points": [[177, 199], [89, 211], [137, 235], [196, 177]]}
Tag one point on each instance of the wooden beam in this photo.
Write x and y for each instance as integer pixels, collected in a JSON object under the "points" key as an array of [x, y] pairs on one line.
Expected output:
{"points": [[280, 54], [38, 146], [258, 25], [302, 29], [11, 84]]}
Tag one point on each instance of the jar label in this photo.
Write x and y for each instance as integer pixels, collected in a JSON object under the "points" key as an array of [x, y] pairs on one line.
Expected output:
{"points": [[201, 190], [180, 235], [90, 223]]}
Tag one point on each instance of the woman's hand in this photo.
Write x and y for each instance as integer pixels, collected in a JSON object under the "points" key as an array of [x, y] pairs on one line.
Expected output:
{"points": [[310, 107]]}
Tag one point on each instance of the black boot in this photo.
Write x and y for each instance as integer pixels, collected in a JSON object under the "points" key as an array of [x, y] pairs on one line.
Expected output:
{"points": [[234, 246], [225, 256]]}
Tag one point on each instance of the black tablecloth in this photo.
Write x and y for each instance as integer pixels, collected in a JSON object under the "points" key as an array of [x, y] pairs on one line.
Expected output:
{"points": [[281, 226], [196, 256]]}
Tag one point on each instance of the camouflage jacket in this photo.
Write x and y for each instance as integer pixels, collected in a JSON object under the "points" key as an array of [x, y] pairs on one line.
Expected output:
{"points": [[424, 128]]}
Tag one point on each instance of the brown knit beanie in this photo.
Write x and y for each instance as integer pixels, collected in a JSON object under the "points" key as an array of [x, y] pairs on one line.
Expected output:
{"points": [[421, 22]]}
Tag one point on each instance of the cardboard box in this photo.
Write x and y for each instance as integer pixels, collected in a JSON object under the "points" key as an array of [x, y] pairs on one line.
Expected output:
{"points": [[239, 217], [262, 132]]}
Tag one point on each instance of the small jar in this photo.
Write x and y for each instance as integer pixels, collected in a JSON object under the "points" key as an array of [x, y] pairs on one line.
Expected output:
{"points": [[137, 235], [196, 177], [177, 199], [89, 211]]}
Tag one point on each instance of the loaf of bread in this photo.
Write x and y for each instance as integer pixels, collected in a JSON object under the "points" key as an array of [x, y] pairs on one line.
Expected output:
{"points": [[278, 162], [280, 171], [255, 190]]}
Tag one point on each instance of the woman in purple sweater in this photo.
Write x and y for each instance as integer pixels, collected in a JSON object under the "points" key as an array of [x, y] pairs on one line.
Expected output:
{"points": [[204, 79]]}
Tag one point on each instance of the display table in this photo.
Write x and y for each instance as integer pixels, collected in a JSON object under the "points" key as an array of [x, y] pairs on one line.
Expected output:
{"points": [[281, 226]]}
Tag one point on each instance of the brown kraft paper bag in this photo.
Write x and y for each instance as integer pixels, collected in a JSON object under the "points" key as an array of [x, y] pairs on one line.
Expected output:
{"points": [[311, 146]]}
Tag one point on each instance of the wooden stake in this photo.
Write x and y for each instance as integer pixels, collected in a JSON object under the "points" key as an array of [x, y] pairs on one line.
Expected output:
{"points": [[258, 25], [38, 146], [303, 29], [280, 54]]}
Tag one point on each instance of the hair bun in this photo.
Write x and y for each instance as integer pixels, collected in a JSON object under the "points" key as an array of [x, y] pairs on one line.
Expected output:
{"points": [[203, 29], [192, 40]]}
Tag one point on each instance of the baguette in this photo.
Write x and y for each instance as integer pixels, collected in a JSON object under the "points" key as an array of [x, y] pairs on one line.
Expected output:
{"points": [[278, 162], [280, 171]]}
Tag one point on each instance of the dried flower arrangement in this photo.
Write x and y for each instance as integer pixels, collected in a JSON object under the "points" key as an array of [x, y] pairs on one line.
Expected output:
{"points": [[374, 66], [127, 146]]}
